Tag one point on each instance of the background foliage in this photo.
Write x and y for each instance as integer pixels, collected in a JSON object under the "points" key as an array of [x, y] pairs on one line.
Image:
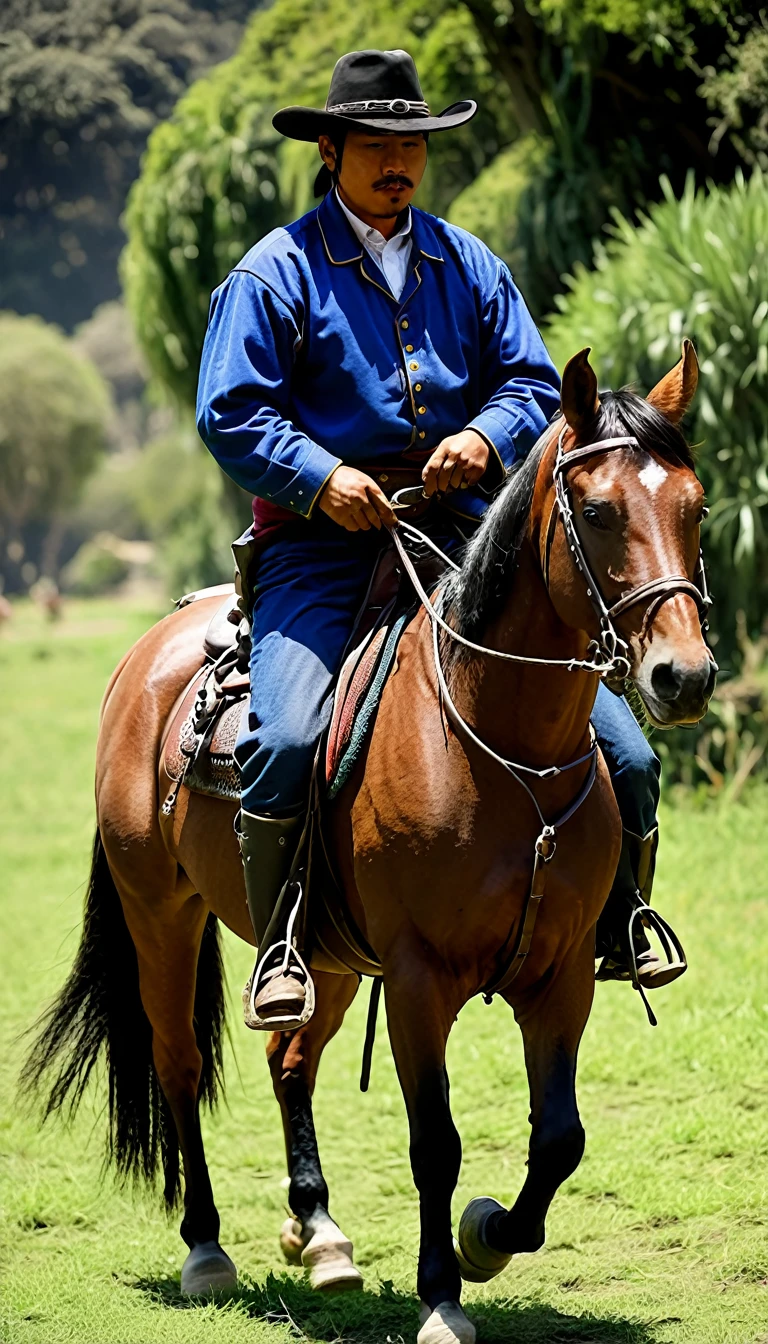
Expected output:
{"points": [[55, 411], [81, 86], [697, 267]]}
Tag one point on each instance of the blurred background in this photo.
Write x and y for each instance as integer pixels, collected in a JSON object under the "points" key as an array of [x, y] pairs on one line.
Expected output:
{"points": [[619, 163]]}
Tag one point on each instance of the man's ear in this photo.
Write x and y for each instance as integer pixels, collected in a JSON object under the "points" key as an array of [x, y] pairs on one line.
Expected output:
{"points": [[674, 394], [578, 394], [327, 151]]}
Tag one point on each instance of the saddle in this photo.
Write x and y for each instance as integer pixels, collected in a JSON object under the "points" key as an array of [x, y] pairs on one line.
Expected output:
{"points": [[199, 747]]}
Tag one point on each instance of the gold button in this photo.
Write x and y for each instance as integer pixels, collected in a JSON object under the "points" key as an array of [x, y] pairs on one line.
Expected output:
{"points": [[422, 410], [418, 387], [383, 477], [404, 324], [409, 348], [422, 433], [413, 364]]}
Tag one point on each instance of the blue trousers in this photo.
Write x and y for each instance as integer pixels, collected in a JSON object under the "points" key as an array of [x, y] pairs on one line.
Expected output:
{"points": [[308, 588]]}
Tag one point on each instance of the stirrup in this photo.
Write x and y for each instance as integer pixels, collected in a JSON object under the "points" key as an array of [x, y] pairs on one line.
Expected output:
{"points": [[672, 948], [294, 964], [283, 955]]}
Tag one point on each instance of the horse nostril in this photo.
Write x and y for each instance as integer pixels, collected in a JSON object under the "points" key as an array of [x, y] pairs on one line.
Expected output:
{"points": [[666, 681], [711, 679]]}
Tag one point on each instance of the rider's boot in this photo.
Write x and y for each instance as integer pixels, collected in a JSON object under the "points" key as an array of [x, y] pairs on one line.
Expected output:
{"points": [[268, 847], [622, 940]]}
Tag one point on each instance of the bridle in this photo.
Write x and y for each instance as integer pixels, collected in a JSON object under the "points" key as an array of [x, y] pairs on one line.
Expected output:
{"points": [[607, 656], [654, 593]]}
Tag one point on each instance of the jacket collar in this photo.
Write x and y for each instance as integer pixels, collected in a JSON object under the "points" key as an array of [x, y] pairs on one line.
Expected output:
{"points": [[342, 247], [425, 240]]}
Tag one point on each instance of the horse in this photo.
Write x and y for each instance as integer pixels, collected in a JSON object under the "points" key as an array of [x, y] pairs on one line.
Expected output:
{"points": [[588, 561]]}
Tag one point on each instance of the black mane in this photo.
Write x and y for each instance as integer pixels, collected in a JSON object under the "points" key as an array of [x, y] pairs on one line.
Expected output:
{"points": [[475, 594]]}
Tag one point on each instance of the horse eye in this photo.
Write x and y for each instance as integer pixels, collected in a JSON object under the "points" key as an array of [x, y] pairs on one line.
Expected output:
{"points": [[592, 517]]}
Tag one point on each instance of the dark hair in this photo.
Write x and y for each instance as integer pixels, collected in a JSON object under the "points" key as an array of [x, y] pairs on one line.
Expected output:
{"points": [[327, 180], [476, 592]]}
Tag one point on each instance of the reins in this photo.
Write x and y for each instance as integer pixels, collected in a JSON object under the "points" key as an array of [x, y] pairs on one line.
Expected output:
{"points": [[609, 658]]}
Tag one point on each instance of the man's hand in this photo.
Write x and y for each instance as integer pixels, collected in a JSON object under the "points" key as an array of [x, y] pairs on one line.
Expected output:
{"points": [[457, 462], [354, 501]]}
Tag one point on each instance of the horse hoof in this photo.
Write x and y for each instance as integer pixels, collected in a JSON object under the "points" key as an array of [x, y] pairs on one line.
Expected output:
{"points": [[291, 1243], [478, 1262], [447, 1324], [328, 1258], [207, 1269]]}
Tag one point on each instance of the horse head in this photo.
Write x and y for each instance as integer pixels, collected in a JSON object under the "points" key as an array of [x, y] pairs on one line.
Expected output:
{"points": [[632, 506]]}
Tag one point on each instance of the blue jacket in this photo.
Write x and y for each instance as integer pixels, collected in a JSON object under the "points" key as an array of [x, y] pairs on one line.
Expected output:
{"points": [[310, 361]]}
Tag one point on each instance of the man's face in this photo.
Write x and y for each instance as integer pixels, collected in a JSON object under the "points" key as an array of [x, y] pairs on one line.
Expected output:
{"points": [[379, 172]]}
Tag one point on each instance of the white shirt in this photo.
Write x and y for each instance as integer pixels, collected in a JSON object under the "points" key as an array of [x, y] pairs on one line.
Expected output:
{"points": [[390, 254]]}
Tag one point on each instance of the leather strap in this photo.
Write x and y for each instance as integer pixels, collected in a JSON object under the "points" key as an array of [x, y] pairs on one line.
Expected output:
{"points": [[668, 586], [513, 963]]}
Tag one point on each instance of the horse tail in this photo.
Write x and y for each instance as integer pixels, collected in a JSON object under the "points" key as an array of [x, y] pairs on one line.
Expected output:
{"points": [[99, 1010]]}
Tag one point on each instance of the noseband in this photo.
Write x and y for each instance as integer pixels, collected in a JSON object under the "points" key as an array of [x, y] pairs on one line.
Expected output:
{"points": [[609, 647]]}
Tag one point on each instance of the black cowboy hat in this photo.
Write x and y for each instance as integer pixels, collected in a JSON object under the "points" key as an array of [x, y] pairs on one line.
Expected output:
{"points": [[378, 89]]}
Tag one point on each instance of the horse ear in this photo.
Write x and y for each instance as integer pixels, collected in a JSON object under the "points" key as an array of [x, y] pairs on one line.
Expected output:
{"points": [[674, 394], [578, 394]]}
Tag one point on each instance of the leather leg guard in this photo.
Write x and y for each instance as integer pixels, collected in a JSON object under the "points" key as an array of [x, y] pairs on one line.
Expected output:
{"points": [[279, 995], [622, 940]]}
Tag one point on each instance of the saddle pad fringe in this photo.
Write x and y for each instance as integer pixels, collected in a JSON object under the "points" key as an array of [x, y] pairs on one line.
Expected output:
{"points": [[367, 712]]}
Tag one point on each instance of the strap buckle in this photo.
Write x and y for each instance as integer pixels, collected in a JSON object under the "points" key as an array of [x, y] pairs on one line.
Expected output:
{"points": [[546, 844]]}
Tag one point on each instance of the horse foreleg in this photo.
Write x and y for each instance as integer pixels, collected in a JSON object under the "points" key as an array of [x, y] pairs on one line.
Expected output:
{"points": [[420, 1012], [489, 1234], [310, 1237]]}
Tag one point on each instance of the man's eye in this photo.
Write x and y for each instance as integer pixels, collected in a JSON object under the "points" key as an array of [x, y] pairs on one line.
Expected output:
{"points": [[592, 517]]}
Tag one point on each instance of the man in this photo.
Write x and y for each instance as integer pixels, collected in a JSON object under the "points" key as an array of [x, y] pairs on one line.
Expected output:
{"points": [[364, 337]]}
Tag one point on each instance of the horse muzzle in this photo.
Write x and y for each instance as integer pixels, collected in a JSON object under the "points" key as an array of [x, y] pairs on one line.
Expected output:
{"points": [[675, 691]]}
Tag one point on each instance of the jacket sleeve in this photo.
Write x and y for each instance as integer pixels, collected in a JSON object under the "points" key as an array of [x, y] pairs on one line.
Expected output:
{"points": [[244, 394], [519, 384]]}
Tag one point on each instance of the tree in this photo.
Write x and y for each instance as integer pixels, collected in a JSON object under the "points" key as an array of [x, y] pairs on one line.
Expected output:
{"points": [[217, 177], [54, 417], [81, 87], [620, 92]]}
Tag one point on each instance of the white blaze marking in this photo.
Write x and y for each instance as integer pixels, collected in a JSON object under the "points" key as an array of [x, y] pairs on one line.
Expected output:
{"points": [[652, 476]]}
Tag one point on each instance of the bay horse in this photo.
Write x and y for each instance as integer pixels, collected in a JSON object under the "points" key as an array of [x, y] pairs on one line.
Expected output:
{"points": [[432, 839]]}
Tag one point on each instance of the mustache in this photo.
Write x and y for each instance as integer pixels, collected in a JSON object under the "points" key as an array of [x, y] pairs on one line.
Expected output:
{"points": [[398, 179]]}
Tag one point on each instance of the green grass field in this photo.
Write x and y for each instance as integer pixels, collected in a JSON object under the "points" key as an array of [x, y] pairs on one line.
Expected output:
{"points": [[661, 1235]]}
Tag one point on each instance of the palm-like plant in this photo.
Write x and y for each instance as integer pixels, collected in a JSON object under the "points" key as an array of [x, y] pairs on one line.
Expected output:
{"points": [[695, 266]]}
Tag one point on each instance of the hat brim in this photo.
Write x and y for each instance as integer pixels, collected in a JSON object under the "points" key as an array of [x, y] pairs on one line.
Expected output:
{"points": [[307, 123]]}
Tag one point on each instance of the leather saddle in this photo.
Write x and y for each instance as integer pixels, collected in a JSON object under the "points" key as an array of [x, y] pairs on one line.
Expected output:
{"points": [[200, 743]]}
